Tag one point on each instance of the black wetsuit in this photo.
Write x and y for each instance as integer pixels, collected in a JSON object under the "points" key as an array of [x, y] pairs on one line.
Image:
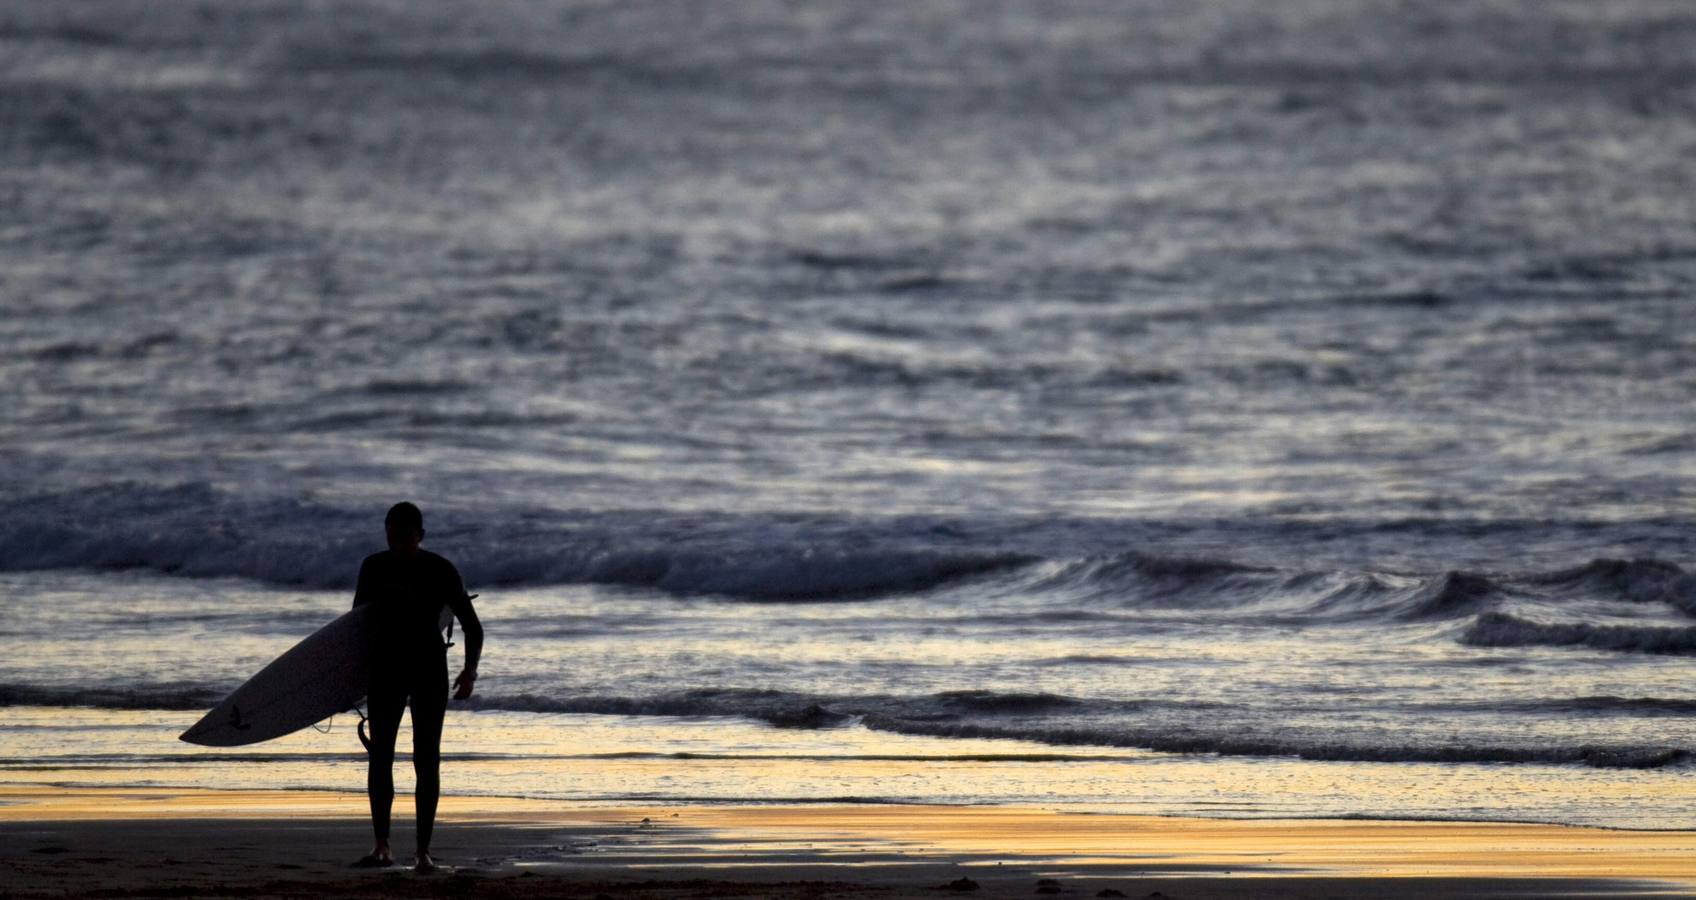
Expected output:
{"points": [[408, 661]]}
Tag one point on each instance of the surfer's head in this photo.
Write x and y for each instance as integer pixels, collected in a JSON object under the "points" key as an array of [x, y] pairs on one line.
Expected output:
{"points": [[404, 527]]}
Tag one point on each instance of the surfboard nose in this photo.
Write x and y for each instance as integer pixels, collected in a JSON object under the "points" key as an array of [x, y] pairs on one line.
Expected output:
{"points": [[197, 733]]}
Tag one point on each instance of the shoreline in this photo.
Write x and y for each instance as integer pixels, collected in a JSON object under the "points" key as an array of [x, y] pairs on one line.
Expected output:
{"points": [[30, 799], [152, 841]]}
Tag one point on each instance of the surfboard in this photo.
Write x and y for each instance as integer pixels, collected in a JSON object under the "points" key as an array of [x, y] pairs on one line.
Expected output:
{"points": [[324, 674]]}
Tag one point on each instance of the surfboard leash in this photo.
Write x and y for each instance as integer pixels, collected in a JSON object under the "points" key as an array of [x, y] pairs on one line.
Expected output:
{"points": [[363, 738]]}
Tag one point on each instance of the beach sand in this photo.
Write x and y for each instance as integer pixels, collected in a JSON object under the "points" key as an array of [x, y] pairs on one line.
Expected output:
{"points": [[171, 843]]}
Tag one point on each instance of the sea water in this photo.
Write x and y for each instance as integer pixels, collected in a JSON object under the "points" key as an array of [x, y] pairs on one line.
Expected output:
{"points": [[1229, 408]]}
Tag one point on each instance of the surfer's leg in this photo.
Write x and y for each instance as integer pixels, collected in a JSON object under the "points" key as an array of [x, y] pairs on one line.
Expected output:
{"points": [[429, 708], [386, 707]]}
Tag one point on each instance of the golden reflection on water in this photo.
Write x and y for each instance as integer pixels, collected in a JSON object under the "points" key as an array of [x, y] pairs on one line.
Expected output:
{"points": [[618, 761]]}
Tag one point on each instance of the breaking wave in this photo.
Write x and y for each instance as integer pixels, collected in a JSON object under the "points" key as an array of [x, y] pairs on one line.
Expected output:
{"points": [[1312, 749], [160, 696], [1503, 630], [1039, 718], [1635, 580], [196, 530]]}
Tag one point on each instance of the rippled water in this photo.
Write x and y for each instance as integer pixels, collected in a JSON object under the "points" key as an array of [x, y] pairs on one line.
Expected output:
{"points": [[1270, 381]]}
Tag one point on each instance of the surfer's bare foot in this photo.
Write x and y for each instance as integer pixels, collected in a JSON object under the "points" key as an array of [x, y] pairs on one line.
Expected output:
{"points": [[378, 858], [424, 863]]}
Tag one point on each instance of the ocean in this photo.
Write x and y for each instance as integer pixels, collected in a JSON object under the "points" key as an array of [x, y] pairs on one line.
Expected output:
{"points": [[1229, 408]]}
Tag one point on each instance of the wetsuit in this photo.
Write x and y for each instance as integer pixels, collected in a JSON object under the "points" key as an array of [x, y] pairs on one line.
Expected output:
{"points": [[408, 661]]}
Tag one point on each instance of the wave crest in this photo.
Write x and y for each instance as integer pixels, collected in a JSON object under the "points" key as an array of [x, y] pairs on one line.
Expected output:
{"points": [[1635, 580], [1498, 629], [195, 530], [1179, 741]]}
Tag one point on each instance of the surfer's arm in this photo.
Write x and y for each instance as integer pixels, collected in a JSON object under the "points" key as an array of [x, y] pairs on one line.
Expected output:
{"points": [[362, 593], [472, 628]]}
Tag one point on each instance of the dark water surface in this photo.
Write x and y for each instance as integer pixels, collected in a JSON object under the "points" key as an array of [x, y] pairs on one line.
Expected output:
{"points": [[1305, 379]]}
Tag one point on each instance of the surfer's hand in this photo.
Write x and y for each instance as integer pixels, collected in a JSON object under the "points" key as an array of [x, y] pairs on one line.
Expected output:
{"points": [[462, 684]]}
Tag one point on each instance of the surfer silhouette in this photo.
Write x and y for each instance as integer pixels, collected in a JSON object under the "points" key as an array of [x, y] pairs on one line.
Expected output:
{"points": [[408, 587]]}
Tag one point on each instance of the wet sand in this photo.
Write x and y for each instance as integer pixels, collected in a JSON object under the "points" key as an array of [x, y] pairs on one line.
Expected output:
{"points": [[159, 842]]}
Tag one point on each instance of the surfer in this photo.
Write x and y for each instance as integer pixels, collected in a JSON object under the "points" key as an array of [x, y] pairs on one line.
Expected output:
{"points": [[409, 586]]}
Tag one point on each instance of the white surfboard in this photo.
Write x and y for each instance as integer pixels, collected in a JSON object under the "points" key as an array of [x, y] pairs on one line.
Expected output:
{"points": [[323, 675]]}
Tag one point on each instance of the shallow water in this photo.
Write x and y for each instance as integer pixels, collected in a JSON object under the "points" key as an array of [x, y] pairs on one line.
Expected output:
{"points": [[981, 692]]}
